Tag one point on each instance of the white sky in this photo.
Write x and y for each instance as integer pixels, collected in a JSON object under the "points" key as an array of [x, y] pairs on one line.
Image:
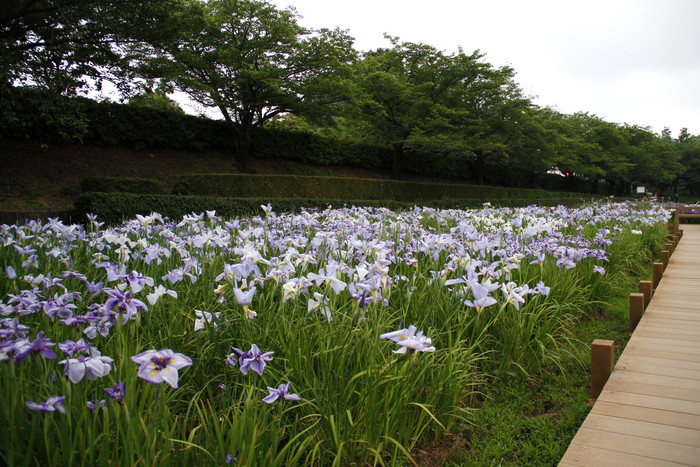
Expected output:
{"points": [[626, 61]]}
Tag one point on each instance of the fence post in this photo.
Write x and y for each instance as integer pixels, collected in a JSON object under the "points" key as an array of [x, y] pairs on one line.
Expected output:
{"points": [[645, 289], [676, 221], [665, 256], [670, 246], [658, 272], [636, 309], [602, 364]]}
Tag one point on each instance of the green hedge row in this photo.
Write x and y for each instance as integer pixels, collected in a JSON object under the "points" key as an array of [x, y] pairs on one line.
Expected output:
{"points": [[297, 186], [121, 185], [113, 208]]}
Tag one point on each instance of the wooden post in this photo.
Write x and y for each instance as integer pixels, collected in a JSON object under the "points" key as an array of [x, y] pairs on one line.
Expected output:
{"points": [[602, 364], [645, 289], [670, 246], [665, 256], [658, 272], [676, 221], [636, 309]]}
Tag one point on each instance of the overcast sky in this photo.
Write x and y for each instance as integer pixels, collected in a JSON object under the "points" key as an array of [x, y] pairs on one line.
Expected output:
{"points": [[626, 61]]}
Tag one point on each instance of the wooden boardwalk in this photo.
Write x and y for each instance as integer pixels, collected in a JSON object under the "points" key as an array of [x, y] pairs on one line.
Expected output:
{"points": [[648, 413]]}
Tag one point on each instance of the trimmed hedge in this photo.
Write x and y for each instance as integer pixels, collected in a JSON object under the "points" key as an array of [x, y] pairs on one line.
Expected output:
{"points": [[121, 185], [114, 208], [291, 186]]}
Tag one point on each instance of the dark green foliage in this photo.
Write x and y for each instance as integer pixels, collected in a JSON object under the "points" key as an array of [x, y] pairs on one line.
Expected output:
{"points": [[114, 208], [286, 186], [121, 185]]}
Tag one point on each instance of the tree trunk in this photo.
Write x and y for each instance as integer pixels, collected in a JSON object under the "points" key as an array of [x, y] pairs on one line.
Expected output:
{"points": [[479, 167], [397, 160]]}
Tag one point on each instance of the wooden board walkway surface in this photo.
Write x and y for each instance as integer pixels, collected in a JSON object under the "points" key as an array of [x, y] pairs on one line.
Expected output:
{"points": [[648, 413]]}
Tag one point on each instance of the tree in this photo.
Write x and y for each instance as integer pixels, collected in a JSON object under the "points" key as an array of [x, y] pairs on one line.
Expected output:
{"points": [[249, 60], [422, 99], [57, 44]]}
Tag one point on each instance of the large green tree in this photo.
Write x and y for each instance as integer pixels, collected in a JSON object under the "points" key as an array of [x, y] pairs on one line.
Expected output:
{"points": [[416, 97], [250, 60]]}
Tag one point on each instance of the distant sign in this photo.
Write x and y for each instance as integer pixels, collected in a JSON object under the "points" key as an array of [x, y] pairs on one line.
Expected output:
{"points": [[641, 189]]}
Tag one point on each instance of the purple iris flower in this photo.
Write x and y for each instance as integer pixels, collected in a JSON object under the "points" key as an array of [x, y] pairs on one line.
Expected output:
{"points": [[94, 404], [252, 359], [116, 392], [70, 348], [157, 366], [39, 345], [124, 301], [281, 391], [52, 404]]}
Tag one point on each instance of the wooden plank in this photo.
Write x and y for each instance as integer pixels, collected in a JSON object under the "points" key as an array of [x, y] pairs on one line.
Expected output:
{"points": [[669, 344], [669, 322], [658, 380], [623, 385], [656, 368], [589, 456], [651, 350], [653, 402], [658, 361], [651, 448], [681, 338], [645, 414], [645, 430]]}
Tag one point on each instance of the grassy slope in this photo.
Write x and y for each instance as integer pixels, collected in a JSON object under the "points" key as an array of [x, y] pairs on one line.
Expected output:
{"points": [[36, 178]]}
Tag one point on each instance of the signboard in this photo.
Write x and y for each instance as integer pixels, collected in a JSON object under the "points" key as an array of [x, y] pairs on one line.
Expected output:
{"points": [[641, 189]]}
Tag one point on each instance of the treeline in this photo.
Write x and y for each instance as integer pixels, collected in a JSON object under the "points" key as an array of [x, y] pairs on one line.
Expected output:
{"points": [[288, 92]]}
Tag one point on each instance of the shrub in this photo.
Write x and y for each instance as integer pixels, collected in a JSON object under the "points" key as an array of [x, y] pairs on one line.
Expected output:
{"points": [[121, 185], [285, 186]]}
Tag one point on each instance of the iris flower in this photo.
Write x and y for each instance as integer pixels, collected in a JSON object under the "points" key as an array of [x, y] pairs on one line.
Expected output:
{"points": [[116, 392], [252, 359], [157, 366], [281, 391], [244, 298], [52, 404], [410, 339], [93, 367]]}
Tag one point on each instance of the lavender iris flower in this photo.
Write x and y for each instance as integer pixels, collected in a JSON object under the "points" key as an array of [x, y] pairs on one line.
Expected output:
{"points": [[93, 367], [244, 298], [482, 299], [157, 366], [10, 273], [52, 404], [281, 391]]}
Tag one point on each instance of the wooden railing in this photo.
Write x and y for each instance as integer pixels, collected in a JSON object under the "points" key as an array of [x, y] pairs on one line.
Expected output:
{"points": [[684, 212]]}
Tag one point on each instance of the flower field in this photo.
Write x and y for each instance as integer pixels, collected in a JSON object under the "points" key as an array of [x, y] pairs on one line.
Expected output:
{"points": [[323, 338]]}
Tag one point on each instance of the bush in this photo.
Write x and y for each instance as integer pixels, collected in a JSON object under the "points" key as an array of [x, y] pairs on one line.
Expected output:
{"points": [[121, 185], [286, 186]]}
